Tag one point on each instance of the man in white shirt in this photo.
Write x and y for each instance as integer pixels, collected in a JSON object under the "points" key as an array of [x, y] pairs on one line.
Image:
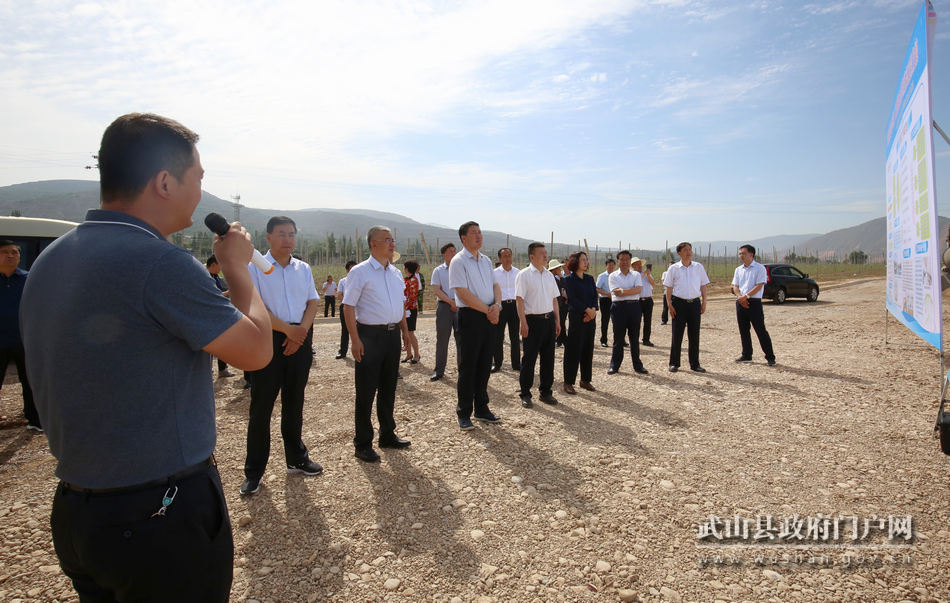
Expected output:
{"points": [[290, 297], [329, 299], [625, 287], [505, 275], [685, 285], [536, 294], [478, 298], [747, 285], [445, 310], [603, 292], [344, 333], [646, 299], [374, 307]]}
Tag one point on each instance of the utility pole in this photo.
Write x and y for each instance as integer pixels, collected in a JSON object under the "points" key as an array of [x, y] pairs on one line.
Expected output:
{"points": [[236, 205]]}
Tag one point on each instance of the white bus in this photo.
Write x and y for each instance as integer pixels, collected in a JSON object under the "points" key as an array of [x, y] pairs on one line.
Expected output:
{"points": [[33, 235]]}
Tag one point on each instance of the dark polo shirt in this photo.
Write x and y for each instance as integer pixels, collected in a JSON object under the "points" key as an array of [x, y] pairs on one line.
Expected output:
{"points": [[114, 319]]}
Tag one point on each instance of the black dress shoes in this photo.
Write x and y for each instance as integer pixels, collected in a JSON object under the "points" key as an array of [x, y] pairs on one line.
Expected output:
{"points": [[642, 371], [674, 368], [548, 399], [603, 344], [435, 377], [697, 369], [526, 402], [340, 356], [612, 371], [649, 344], [394, 443], [495, 369], [367, 455]]}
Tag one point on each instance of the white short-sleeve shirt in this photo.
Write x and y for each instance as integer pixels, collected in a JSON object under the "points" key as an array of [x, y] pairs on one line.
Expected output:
{"points": [[748, 278], [538, 289], [686, 281], [619, 280], [376, 293], [287, 289]]}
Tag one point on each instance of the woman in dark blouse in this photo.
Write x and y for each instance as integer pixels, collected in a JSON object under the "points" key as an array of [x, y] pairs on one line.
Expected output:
{"points": [[582, 313]]}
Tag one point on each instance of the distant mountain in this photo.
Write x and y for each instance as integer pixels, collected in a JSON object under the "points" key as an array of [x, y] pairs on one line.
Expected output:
{"points": [[69, 200], [780, 243], [870, 237]]}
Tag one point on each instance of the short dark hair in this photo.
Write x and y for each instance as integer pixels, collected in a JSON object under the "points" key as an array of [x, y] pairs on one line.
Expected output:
{"points": [[609, 261], [412, 266], [533, 246], [574, 260], [136, 147], [748, 248], [625, 252], [504, 249], [277, 221], [463, 229], [446, 246], [5, 242], [211, 260], [679, 247], [350, 264]]}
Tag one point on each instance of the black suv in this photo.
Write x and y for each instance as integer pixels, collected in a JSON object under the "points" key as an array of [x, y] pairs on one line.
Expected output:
{"points": [[786, 281]]}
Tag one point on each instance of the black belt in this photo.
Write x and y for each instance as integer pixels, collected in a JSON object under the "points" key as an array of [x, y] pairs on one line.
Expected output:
{"points": [[508, 301], [186, 472], [390, 327], [626, 301], [547, 315], [688, 301]]}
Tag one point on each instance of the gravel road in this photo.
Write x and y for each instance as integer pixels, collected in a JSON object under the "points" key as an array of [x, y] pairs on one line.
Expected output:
{"points": [[600, 498]]}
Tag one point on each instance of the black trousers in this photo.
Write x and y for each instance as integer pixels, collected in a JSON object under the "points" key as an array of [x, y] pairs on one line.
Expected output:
{"points": [[687, 320], [287, 376], [329, 305], [665, 316], [754, 317], [626, 319], [344, 335], [222, 365], [376, 378], [562, 315], [16, 354], [580, 348], [445, 327], [114, 550], [604, 318], [476, 339], [646, 308], [539, 342], [508, 318]]}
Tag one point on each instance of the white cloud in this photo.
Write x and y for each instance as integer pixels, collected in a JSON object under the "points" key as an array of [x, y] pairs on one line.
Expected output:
{"points": [[558, 79]]}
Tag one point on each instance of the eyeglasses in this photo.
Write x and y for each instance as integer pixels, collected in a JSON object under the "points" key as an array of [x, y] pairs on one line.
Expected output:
{"points": [[387, 241]]}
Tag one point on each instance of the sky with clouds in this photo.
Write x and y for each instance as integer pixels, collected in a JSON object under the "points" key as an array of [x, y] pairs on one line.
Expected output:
{"points": [[638, 121]]}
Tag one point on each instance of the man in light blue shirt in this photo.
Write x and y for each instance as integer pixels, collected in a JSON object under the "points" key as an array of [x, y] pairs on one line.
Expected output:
{"points": [[290, 296], [747, 285], [478, 297], [445, 310], [374, 307]]}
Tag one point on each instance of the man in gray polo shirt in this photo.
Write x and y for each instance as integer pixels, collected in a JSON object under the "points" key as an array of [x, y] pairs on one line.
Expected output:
{"points": [[478, 297], [121, 367]]}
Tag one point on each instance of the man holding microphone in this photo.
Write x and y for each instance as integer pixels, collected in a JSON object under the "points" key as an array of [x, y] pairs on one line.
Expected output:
{"points": [[121, 367]]}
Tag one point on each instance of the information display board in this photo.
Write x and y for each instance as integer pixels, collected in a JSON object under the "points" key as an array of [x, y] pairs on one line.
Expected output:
{"points": [[913, 243]]}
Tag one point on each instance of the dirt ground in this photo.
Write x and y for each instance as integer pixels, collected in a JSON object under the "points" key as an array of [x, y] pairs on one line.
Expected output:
{"points": [[600, 498]]}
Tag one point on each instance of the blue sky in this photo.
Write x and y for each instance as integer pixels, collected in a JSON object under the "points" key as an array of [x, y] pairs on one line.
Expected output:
{"points": [[635, 121]]}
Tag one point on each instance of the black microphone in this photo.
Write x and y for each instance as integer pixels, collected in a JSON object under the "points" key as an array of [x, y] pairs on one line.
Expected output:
{"points": [[218, 224]]}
